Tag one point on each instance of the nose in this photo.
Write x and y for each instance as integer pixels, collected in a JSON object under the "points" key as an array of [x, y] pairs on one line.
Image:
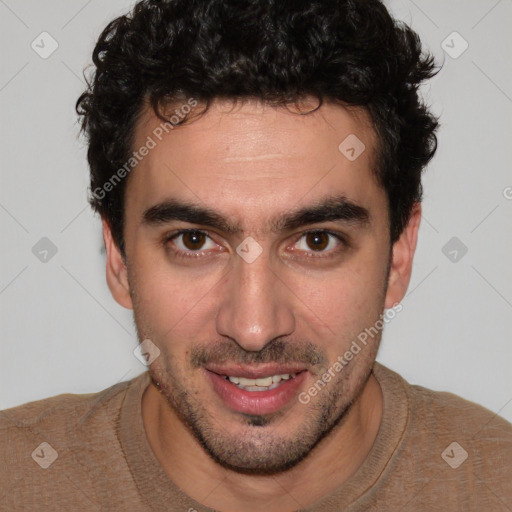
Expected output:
{"points": [[255, 306]]}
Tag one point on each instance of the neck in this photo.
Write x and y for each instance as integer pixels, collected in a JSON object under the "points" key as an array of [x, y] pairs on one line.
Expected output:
{"points": [[329, 465]]}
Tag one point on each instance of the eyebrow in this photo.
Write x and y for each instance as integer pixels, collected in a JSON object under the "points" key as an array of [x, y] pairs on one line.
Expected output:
{"points": [[337, 208]]}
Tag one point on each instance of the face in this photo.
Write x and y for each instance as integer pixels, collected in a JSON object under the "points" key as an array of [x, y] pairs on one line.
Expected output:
{"points": [[255, 249]]}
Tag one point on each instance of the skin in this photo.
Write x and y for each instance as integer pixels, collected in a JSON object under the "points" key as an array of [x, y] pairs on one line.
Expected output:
{"points": [[251, 162]]}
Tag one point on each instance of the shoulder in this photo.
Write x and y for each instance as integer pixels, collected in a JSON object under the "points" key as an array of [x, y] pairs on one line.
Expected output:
{"points": [[446, 411], [60, 420], [52, 447], [459, 444], [57, 410]]}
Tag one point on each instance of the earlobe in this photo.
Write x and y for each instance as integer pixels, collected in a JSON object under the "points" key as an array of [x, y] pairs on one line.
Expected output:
{"points": [[402, 258], [117, 274]]}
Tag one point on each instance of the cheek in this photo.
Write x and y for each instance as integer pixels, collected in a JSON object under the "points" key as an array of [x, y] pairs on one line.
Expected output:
{"points": [[349, 309], [172, 301], [347, 296]]}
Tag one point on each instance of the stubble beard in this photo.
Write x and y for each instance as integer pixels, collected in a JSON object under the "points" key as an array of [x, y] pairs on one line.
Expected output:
{"points": [[257, 447]]}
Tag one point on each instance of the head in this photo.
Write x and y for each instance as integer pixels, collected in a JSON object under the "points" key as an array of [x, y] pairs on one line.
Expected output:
{"points": [[288, 138]]}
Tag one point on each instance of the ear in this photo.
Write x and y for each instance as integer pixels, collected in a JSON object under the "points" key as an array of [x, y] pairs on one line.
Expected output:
{"points": [[117, 274], [401, 259]]}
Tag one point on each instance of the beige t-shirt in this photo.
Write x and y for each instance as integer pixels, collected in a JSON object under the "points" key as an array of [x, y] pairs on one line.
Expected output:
{"points": [[434, 452]]}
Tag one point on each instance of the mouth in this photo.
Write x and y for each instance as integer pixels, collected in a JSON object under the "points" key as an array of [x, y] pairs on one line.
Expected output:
{"points": [[261, 384], [256, 392]]}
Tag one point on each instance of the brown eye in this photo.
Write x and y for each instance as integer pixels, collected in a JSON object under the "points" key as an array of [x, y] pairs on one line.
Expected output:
{"points": [[321, 243], [193, 240], [190, 243], [317, 241]]}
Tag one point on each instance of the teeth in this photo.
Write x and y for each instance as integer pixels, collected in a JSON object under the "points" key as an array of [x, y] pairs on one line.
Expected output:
{"points": [[267, 381], [261, 384], [254, 388], [246, 382]]}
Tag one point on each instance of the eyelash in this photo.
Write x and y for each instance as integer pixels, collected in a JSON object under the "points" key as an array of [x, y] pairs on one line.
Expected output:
{"points": [[194, 254]]}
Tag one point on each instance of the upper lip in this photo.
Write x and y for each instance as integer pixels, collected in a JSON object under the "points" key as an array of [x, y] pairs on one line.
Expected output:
{"points": [[254, 372]]}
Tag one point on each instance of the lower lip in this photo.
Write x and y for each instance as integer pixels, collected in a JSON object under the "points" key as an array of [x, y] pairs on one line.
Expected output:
{"points": [[256, 402]]}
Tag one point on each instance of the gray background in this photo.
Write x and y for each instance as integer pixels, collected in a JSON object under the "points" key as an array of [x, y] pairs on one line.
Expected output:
{"points": [[62, 332]]}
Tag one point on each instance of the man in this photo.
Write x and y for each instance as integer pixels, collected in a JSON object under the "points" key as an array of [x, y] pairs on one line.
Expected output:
{"points": [[257, 168]]}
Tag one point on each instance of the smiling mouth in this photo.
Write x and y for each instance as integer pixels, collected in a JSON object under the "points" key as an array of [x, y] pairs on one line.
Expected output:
{"points": [[257, 392], [260, 384]]}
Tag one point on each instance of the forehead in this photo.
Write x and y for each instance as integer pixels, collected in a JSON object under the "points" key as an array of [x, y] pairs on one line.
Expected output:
{"points": [[255, 158]]}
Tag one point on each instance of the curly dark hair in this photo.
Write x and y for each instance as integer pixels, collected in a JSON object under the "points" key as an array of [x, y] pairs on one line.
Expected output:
{"points": [[279, 51]]}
